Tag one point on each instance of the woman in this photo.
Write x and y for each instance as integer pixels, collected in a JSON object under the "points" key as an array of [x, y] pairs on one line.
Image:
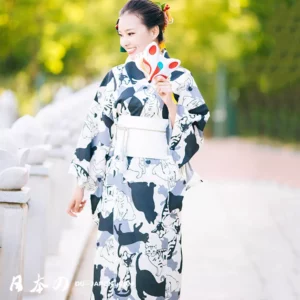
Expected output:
{"points": [[134, 143]]}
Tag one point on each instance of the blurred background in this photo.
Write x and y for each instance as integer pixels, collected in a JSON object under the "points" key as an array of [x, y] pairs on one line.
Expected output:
{"points": [[245, 58], [244, 55]]}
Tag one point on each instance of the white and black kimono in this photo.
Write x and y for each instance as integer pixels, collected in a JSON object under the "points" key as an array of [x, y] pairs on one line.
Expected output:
{"points": [[137, 202]]}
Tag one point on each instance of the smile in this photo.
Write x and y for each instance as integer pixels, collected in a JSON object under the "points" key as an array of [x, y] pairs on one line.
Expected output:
{"points": [[130, 50]]}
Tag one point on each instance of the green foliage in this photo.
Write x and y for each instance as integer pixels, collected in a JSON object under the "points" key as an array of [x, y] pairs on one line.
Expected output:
{"points": [[67, 37], [74, 41], [56, 36], [59, 39], [269, 102]]}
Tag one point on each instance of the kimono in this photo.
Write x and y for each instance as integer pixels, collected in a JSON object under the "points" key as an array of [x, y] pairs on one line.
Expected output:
{"points": [[137, 202]]}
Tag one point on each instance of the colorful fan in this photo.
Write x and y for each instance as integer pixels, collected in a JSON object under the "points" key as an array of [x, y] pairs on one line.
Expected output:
{"points": [[152, 63]]}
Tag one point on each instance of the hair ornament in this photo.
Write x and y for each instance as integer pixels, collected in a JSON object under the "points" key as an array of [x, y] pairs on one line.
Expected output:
{"points": [[165, 8]]}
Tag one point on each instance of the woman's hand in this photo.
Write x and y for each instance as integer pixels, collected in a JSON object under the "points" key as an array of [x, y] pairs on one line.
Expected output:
{"points": [[77, 203], [164, 89]]}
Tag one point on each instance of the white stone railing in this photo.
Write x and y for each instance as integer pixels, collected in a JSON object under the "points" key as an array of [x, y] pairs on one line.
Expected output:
{"points": [[13, 219], [33, 216], [14, 200]]}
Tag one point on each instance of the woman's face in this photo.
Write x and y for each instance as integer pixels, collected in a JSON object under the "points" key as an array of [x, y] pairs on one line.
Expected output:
{"points": [[134, 35]]}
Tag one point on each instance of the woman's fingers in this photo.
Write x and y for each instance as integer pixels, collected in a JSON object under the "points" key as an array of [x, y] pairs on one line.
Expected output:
{"points": [[77, 203], [164, 89], [159, 78], [70, 209], [81, 206], [163, 83], [75, 207]]}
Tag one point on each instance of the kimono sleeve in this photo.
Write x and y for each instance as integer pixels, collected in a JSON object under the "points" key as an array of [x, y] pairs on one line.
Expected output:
{"points": [[89, 160], [192, 115]]}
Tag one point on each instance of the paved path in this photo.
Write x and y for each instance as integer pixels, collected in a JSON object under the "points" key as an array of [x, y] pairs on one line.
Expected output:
{"points": [[82, 290], [241, 241], [241, 227], [234, 158]]}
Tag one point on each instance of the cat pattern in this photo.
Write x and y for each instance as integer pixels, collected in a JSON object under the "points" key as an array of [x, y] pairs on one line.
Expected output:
{"points": [[89, 182], [110, 289], [167, 171], [172, 285], [98, 162], [184, 123], [175, 141], [123, 209], [114, 166], [152, 105], [187, 85], [123, 280], [157, 257], [191, 102], [127, 238], [124, 79], [108, 251], [161, 170], [146, 282], [139, 168], [107, 203], [168, 227], [142, 197], [90, 127]]}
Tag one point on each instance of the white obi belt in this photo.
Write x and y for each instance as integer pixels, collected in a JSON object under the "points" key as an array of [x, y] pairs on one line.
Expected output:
{"points": [[141, 137]]}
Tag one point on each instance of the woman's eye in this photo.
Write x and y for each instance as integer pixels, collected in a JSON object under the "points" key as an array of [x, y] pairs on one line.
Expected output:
{"points": [[131, 33]]}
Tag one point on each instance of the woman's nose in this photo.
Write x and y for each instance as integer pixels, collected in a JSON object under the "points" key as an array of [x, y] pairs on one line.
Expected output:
{"points": [[125, 42]]}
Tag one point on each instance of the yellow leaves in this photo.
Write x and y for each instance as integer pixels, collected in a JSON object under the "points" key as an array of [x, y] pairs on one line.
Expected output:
{"points": [[54, 66], [212, 31], [109, 7], [235, 6], [50, 29], [51, 55], [226, 45], [207, 60], [73, 11], [264, 83], [244, 23], [4, 19], [191, 37]]}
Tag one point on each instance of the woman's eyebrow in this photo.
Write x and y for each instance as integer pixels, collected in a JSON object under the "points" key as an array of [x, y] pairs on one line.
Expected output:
{"points": [[127, 30]]}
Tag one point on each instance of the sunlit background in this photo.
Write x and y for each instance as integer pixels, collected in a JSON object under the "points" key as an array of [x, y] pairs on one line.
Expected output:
{"points": [[244, 55]]}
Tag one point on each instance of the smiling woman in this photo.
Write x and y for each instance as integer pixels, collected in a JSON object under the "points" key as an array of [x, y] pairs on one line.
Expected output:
{"points": [[154, 16], [137, 32], [133, 146]]}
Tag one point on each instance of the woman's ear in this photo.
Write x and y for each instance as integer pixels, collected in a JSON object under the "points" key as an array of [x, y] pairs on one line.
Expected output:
{"points": [[155, 32]]}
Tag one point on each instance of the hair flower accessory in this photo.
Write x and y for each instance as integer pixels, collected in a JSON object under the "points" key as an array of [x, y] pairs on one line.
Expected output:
{"points": [[165, 8]]}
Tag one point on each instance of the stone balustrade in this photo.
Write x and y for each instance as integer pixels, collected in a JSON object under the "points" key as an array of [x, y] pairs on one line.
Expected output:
{"points": [[35, 188]]}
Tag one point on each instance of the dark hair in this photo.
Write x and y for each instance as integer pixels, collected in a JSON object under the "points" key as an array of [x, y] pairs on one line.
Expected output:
{"points": [[150, 13]]}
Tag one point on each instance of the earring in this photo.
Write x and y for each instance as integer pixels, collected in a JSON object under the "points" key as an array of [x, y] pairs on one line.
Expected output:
{"points": [[162, 46], [122, 49]]}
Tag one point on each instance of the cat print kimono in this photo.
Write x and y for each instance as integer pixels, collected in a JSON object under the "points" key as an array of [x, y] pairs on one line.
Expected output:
{"points": [[137, 202]]}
